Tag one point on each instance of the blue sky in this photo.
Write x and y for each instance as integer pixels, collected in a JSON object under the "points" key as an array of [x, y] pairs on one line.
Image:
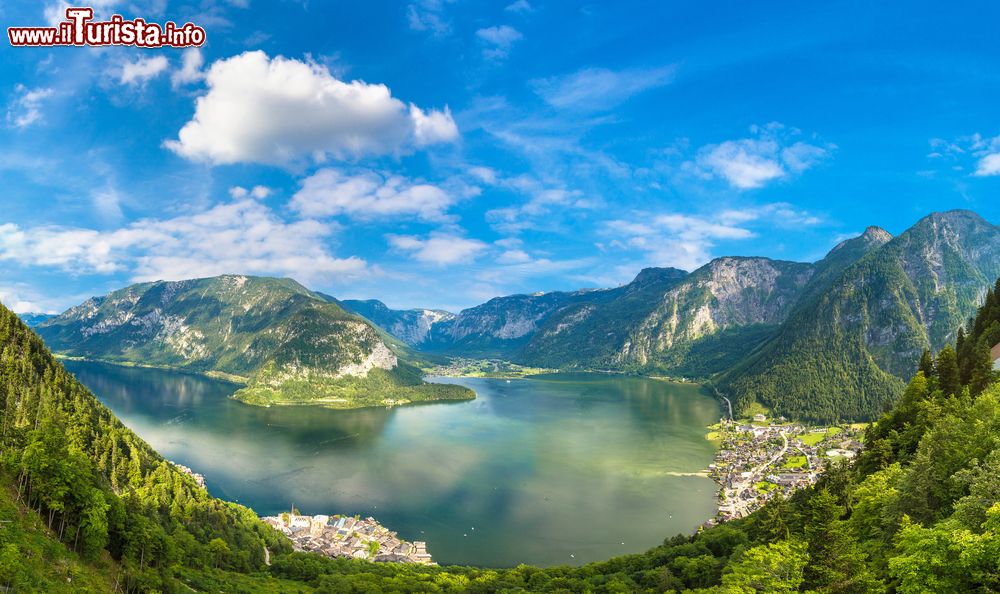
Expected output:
{"points": [[438, 153]]}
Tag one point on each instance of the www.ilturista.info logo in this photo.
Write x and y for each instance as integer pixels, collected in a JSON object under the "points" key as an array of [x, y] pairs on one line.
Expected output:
{"points": [[79, 28]]}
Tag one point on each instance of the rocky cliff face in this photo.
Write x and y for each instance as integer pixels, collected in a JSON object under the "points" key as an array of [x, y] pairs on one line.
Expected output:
{"points": [[507, 318], [724, 294], [412, 326]]}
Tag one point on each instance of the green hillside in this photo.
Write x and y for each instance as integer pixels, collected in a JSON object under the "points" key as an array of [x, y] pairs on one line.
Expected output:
{"points": [[842, 352], [287, 344]]}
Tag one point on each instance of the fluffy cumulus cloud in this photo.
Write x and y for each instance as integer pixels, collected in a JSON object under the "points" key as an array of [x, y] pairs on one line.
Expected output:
{"points": [[599, 88], [142, 70], [279, 111], [25, 108], [432, 127], [498, 41], [749, 163], [439, 249], [368, 195], [242, 236]]}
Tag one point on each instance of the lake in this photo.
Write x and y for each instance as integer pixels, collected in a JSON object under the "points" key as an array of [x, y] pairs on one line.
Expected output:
{"points": [[560, 469]]}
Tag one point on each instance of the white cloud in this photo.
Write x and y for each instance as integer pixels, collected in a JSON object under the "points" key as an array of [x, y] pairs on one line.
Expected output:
{"points": [[25, 108], [775, 213], [439, 248], [984, 151], [599, 88], [486, 175], [540, 209], [278, 111], [258, 192], [107, 204], [519, 7], [433, 127], [744, 164], [513, 257], [498, 40], [190, 70], [142, 70], [686, 241], [428, 15], [242, 236], [368, 195], [988, 165], [751, 163], [22, 299]]}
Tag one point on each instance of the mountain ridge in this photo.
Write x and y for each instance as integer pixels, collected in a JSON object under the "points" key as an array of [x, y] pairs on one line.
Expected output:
{"points": [[287, 344], [664, 321]]}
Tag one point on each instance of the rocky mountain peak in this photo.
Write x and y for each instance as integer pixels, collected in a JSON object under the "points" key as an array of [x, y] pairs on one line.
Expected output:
{"points": [[875, 234], [872, 237]]}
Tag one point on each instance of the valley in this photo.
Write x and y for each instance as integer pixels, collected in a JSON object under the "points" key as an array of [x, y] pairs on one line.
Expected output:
{"points": [[550, 470], [755, 330], [556, 470]]}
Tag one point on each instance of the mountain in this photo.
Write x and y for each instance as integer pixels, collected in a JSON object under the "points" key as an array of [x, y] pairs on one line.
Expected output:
{"points": [[412, 326], [34, 319], [503, 325], [287, 344], [781, 333], [670, 321], [843, 351]]}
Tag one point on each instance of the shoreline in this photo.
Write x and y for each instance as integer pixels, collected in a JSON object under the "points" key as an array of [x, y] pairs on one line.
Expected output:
{"points": [[239, 381]]}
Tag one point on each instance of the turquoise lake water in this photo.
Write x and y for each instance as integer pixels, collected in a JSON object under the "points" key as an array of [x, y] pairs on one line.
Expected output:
{"points": [[550, 470]]}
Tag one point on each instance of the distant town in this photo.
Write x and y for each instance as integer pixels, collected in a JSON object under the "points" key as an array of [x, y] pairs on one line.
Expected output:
{"points": [[760, 459], [493, 368], [349, 537]]}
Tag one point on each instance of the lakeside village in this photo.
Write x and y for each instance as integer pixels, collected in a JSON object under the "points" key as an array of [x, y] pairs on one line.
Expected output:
{"points": [[340, 536], [760, 460], [348, 537]]}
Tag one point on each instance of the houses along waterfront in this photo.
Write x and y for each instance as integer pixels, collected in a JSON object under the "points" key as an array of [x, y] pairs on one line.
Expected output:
{"points": [[760, 460], [349, 537]]}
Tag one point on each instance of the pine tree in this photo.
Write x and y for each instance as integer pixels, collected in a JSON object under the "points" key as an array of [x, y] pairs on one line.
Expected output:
{"points": [[926, 364], [946, 369]]}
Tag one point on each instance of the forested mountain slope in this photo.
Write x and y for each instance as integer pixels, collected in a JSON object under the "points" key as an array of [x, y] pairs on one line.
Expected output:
{"points": [[842, 352], [288, 344], [98, 487]]}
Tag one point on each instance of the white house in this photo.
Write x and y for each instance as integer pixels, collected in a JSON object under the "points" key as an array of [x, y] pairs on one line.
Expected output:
{"points": [[995, 355]]}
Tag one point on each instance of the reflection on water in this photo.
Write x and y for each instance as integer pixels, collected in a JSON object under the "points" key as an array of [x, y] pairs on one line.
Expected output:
{"points": [[532, 471]]}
